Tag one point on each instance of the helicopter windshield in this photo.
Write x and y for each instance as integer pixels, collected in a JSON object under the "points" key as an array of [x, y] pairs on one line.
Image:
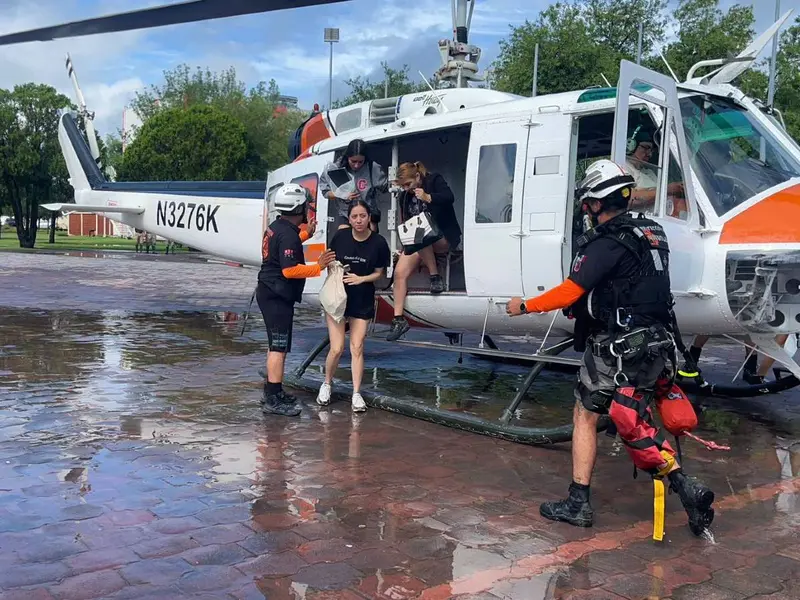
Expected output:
{"points": [[734, 155]]}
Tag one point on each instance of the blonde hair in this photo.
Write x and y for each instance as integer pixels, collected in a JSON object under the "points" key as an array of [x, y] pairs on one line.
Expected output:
{"points": [[409, 171]]}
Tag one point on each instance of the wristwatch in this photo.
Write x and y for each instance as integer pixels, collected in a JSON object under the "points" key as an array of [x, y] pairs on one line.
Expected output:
{"points": [[522, 309]]}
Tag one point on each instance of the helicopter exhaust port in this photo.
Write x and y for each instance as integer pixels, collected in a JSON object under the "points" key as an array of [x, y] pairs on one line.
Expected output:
{"points": [[764, 291]]}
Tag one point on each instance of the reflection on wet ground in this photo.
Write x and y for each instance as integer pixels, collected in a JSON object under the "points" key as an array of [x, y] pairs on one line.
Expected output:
{"points": [[134, 463]]}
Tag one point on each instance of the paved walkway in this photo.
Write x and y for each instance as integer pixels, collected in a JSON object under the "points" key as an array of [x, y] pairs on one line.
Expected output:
{"points": [[134, 463]]}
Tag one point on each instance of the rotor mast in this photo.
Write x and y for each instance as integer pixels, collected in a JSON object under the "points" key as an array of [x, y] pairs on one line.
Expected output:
{"points": [[459, 57]]}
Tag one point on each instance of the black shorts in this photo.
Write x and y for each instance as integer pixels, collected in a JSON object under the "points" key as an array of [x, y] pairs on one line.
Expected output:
{"points": [[360, 312], [595, 396], [278, 318]]}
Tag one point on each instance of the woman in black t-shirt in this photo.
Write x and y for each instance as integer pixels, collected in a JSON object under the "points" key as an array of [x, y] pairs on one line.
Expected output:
{"points": [[366, 254]]}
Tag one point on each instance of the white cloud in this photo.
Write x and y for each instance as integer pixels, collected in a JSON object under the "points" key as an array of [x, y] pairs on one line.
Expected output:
{"points": [[286, 46], [386, 31], [100, 61], [108, 100]]}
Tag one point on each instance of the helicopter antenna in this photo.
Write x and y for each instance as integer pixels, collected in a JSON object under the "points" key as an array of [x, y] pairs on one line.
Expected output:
{"points": [[664, 58], [88, 116], [459, 57]]}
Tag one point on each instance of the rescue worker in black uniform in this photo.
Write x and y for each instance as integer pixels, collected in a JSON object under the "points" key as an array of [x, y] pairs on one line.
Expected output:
{"points": [[618, 291], [281, 281]]}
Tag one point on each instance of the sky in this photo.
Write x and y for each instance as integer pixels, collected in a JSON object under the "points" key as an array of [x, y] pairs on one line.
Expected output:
{"points": [[285, 45]]}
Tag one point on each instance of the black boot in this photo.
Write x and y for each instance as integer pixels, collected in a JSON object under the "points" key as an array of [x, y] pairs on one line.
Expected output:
{"points": [[575, 510], [753, 378], [273, 402], [696, 499], [750, 371]]}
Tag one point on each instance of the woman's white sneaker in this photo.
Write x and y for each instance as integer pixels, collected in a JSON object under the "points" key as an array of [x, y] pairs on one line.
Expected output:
{"points": [[358, 403], [324, 396]]}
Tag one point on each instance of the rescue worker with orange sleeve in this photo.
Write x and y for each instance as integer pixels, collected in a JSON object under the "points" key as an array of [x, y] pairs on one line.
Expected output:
{"points": [[618, 291], [281, 281]]}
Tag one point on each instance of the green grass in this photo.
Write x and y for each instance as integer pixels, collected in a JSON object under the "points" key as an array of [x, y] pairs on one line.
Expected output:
{"points": [[9, 241]]}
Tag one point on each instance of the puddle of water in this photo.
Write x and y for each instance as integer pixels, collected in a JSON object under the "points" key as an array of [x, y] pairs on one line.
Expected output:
{"points": [[158, 411]]}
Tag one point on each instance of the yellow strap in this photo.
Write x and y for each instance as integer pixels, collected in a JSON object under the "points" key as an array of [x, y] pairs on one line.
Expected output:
{"points": [[686, 374], [670, 462], [658, 509]]}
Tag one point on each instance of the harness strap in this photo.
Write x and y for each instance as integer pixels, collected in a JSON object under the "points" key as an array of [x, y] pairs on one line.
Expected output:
{"points": [[659, 508]]}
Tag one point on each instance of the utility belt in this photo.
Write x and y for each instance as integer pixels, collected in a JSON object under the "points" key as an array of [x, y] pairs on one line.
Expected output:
{"points": [[632, 344], [639, 346]]}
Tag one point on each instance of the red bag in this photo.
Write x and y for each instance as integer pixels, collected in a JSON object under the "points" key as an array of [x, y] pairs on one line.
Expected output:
{"points": [[635, 426], [677, 412]]}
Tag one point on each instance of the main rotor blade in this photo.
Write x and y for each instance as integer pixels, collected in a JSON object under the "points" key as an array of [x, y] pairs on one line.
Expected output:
{"points": [[185, 12]]}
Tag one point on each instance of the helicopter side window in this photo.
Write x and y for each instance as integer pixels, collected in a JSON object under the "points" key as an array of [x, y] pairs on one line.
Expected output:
{"points": [[347, 120], [494, 197]]}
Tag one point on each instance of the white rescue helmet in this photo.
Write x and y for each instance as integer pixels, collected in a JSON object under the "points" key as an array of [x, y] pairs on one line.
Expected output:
{"points": [[290, 198], [603, 178]]}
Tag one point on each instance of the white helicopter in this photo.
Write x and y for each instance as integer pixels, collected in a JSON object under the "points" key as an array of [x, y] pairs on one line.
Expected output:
{"points": [[513, 163]]}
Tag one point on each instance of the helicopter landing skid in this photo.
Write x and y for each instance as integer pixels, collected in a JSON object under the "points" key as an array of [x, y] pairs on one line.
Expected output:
{"points": [[500, 428]]}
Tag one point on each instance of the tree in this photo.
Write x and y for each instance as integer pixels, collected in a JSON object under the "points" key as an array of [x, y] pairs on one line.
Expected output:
{"points": [[787, 79], [113, 151], [32, 169], [578, 41], [705, 32], [267, 128], [196, 144], [362, 89]]}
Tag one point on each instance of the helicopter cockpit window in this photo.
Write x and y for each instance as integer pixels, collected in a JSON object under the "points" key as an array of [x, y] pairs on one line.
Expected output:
{"points": [[734, 155], [495, 193]]}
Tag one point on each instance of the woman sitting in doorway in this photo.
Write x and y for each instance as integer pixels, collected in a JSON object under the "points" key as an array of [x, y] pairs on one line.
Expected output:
{"points": [[422, 192], [367, 255], [367, 178]]}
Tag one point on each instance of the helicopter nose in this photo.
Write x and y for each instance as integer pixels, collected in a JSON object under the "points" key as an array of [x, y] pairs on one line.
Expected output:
{"points": [[773, 220]]}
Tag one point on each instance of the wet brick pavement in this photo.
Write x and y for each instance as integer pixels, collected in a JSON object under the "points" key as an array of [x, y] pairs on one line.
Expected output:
{"points": [[134, 463]]}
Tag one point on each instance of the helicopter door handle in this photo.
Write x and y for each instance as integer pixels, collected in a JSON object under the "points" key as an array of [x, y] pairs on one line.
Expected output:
{"points": [[518, 234]]}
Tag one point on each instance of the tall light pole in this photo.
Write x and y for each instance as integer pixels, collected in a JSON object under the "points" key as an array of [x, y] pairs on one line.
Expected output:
{"points": [[331, 37]]}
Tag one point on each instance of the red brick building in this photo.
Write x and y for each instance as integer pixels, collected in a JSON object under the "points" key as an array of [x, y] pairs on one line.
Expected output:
{"points": [[89, 224]]}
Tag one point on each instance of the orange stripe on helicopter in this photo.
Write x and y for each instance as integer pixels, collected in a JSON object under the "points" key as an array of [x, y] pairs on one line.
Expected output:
{"points": [[773, 220], [314, 131]]}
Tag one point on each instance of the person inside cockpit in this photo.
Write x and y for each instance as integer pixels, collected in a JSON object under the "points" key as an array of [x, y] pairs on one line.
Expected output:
{"points": [[639, 161]]}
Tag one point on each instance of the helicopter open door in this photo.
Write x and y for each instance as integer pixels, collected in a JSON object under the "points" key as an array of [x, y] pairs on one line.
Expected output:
{"points": [[498, 152], [675, 204], [545, 202]]}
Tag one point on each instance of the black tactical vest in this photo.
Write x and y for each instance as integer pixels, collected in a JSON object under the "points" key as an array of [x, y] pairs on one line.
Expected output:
{"points": [[639, 296]]}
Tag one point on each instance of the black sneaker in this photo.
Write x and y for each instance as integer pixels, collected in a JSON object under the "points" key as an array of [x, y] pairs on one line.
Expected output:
{"points": [[575, 510], [696, 499], [287, 398], [274, 404], [437, 284], [399, 327]]}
